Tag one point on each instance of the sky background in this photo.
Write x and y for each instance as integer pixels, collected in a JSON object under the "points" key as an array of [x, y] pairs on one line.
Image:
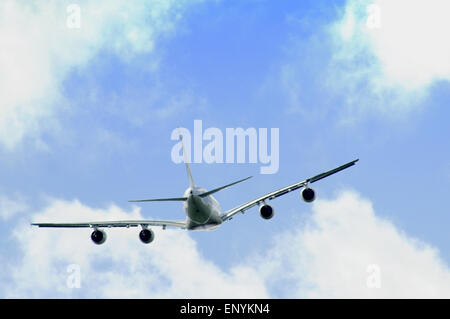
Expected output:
{"points": [[86, 116]]}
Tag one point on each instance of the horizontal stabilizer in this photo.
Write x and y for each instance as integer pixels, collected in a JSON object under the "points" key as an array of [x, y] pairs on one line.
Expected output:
{"points": [[181, 199], [223, 187]]}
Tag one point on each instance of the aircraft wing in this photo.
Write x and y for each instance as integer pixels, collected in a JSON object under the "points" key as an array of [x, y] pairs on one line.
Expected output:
{"points": [[123, 223], [282, 191]]}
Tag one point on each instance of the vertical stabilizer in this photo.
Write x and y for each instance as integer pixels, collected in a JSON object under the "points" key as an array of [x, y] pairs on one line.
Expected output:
{"points": [[186, 161]]}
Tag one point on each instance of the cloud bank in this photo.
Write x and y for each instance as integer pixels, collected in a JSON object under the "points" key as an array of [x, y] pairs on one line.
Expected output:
{"points": [[345, 250], [374, 59], [40, 47], [342, 249], [387, 54], [123, 267]]}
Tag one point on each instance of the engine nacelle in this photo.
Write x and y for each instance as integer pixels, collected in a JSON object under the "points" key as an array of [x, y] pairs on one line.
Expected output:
{"points": [[266, 211], [146, 236], [98, 236], [308, 194]]}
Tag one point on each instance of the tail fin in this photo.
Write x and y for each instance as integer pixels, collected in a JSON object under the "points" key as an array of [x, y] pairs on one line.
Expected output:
{"points": [[186, 162]]}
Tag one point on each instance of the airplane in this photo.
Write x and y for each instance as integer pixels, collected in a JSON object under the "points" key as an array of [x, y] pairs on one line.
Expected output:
{"points": [[202, 210]]}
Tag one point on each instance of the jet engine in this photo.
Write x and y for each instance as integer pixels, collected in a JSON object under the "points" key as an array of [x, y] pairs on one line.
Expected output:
{"points": [[308, 194], [98, 236], [146, 236], [266, 211]]}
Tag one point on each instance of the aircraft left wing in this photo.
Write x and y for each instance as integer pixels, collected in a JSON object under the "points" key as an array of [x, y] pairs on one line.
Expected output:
{"points": [[123, 223], [282, 191]]}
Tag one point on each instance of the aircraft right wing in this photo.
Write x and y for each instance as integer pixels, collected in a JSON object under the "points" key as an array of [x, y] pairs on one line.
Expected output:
{"points": [[282, 191]]}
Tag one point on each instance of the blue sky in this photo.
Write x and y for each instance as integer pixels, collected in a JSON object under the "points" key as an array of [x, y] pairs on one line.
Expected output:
{"points": [[87, 116]]}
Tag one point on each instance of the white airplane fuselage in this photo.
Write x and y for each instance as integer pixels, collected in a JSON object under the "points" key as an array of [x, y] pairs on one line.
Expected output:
{"points": [[203, 213]]}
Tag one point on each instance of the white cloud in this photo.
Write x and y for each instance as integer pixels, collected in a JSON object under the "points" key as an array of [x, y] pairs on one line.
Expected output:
{"points": [[38, 51], [389, 65], [333, 255], [11, 207], [329, 254], [170, 267]]}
